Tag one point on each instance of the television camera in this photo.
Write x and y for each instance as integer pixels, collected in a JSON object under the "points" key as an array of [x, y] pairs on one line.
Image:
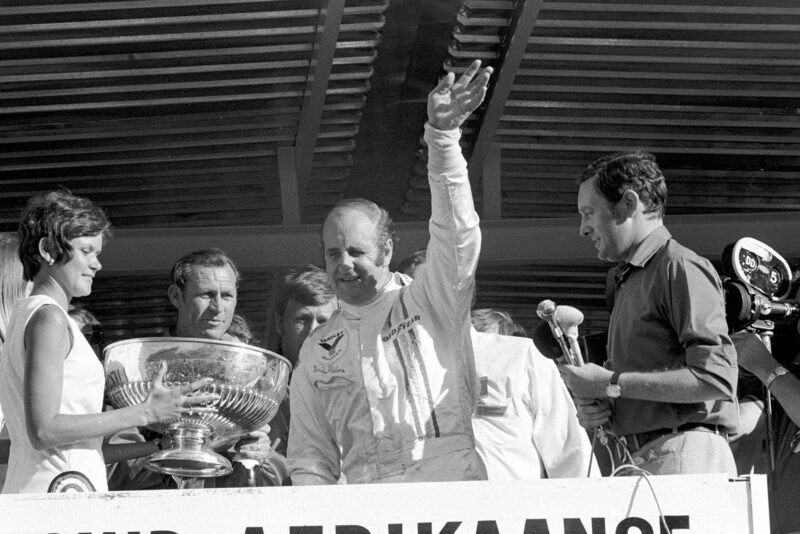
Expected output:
{"points": [[757, 284]]}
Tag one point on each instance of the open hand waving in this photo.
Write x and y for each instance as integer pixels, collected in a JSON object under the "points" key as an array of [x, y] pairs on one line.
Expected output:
{"points": [[451, 102]]}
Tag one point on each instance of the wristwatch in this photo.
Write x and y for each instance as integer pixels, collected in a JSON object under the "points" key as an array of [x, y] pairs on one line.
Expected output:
{"points": [[613, 389], [779, 371]]}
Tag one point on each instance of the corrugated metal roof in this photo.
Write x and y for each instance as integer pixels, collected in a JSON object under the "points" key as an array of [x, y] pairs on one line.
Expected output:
{"points": [[171, 114]]}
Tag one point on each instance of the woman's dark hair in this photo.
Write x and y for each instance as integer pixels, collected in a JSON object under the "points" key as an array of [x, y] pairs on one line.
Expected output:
{"points": [[57, 217], [629, 171]]}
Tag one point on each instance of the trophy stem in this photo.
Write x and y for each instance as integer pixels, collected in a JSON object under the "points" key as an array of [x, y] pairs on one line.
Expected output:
{"points": [[190, 454]]}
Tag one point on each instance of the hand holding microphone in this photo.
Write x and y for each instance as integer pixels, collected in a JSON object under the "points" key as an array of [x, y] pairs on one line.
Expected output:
{"points": [[593, 410], [563, 322], [583, 379]]}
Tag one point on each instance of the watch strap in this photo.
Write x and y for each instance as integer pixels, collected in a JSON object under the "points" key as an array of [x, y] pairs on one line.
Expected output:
{"points": [[777, 372], [613, 389]]}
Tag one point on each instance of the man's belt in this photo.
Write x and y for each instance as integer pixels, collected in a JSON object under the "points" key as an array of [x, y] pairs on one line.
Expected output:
{"points": [[637, 441]]}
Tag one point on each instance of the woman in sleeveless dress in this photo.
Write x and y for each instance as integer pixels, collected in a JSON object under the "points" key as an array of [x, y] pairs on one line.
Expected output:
{"points": [[51, 382]]}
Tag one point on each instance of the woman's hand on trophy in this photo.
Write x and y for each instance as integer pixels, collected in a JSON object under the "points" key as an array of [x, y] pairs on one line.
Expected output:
{"points": [[163, 403], [451, 102]]}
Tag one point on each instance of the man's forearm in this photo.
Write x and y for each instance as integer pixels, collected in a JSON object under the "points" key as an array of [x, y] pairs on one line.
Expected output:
{"points": [[785, 388], [677, 386], [454, 223], [444, 152]]}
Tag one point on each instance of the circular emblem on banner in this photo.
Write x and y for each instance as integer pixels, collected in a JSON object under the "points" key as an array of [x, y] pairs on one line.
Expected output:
{"points": [[71, 482]]}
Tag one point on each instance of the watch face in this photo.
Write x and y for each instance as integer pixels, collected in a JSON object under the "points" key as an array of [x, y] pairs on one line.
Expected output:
{"points": [[613, 391]]}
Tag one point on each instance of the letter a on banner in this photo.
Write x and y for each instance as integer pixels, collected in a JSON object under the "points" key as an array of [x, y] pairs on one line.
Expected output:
{"points": [[449, 528], [536, 526]]}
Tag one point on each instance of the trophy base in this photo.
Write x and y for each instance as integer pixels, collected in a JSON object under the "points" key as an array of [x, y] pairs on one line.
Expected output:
{"points": [[189, 455], [189, 463]]}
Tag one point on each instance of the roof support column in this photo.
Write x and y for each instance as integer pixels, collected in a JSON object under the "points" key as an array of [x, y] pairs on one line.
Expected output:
{"points": [[287, 174], [516, 41], [316, 90], [492, 192]]}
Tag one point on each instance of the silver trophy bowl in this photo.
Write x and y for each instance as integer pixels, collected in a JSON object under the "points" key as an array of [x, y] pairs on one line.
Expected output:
{"points": [[251, 383]]}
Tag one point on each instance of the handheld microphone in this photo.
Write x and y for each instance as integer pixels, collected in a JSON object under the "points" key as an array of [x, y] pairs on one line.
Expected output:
{"points": [[563, 319], [547, 311], [568, 319], [547, 344]]}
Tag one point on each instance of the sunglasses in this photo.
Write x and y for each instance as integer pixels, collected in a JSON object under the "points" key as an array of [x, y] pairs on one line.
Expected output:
{"points": [[93, 334]]}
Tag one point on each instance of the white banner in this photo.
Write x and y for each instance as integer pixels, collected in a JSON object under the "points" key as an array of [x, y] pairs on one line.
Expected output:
{"points": [[702, 504]]}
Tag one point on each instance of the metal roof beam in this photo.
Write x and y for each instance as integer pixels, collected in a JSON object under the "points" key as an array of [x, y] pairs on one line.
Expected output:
{"points": [[506, 71], [316, 90], [504, 241]]}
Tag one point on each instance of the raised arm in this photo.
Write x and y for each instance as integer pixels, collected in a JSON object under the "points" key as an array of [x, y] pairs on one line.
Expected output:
{"points": [[455, 236]]}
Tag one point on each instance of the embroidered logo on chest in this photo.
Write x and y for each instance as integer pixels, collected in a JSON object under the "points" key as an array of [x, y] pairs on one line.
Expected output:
{"points": [[330, 344]]}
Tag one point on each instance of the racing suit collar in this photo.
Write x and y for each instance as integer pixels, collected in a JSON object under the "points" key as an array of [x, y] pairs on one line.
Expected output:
{"points": [[351, 311]]}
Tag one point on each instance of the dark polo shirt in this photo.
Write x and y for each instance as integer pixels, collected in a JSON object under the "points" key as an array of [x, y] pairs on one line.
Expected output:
{"points": [[669, 313]]}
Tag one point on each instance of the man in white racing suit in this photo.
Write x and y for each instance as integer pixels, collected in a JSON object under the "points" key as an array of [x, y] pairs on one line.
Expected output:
{"points": [[385, 390]]}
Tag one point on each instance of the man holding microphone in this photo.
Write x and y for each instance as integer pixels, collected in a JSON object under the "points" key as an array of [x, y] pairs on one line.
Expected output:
{"points": [[669, 388]]}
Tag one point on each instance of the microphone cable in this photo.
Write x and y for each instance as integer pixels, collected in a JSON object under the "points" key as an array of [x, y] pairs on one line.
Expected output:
{"points": [[644, 475]]}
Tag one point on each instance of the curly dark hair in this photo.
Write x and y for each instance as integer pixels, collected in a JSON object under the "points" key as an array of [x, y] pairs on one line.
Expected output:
{"points": [[57, 217], [629, 171]]}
